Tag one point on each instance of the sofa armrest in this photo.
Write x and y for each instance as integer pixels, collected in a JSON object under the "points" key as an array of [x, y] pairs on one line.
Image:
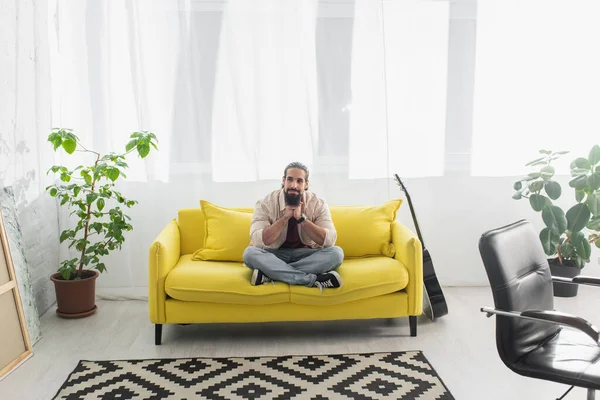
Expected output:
{"points": [[410, 253], [162, 257]]}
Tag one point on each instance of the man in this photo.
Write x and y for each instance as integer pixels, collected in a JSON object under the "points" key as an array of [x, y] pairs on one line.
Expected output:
{"points": [[292, 236]]}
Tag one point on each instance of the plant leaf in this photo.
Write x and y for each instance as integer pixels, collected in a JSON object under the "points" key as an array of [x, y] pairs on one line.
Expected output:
{"points": [[132, 143], [579, 183], [143, 149], [90, 197], [57, 142], [69, 145], [594, 156], [577, 238], [567, 250], [554, 218], [577, 217], [549, 241], [593, 203], [579, 195], [517, 185], [580, 162], [594, 181], [594, 224], [584, 250], [538, 202], [113, 173], [547, 172], [535, 187], [530, 163], [100, 204], [553, 189], [64, 236], [579, 171]]}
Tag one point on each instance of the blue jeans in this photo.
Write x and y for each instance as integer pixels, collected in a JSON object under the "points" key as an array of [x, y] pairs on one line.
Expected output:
{"points": [[294, 266]]}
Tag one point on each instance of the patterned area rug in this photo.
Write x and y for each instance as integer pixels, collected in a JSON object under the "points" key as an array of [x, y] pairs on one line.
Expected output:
{"points": [[397, 375]]}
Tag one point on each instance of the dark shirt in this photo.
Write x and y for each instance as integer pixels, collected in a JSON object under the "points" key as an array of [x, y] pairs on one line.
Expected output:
{"points": [[292, 240]]}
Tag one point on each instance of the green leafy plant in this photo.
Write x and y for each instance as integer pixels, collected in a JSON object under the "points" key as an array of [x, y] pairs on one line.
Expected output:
{"points": [[564, 236], [89, 192]]}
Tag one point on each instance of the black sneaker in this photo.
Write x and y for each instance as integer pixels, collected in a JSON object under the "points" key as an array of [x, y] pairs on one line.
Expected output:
{"points": [[328, 280], [258, 278]]}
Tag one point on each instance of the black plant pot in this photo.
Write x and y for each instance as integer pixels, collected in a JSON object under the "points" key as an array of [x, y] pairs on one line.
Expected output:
{"points": [[568, 269]]}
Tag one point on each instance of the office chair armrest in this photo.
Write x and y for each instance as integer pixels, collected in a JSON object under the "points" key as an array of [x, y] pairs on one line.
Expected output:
{"points": [[554, 317], [578, 280]]}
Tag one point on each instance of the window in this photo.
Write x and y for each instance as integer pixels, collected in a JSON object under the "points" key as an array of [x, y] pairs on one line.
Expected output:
{"points": [[537, 82], [399, 68]]}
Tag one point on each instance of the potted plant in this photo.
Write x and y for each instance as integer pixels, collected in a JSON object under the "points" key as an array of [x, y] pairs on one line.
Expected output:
{"points": [[88, 191], [564, 237]]}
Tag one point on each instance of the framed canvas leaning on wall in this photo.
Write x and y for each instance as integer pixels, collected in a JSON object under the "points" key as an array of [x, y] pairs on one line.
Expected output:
{"points": [[15, 346]]}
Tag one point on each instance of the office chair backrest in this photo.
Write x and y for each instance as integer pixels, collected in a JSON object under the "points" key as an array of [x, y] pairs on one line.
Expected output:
{"points": [[520, 278]]}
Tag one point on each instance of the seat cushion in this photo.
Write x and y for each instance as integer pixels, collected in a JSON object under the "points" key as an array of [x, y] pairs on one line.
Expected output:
{"points": [[365, 230], [226, 233], [220, 282], [570, 357], [362, 278]]}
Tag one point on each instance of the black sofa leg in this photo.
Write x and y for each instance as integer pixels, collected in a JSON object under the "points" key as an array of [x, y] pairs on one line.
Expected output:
{"points": [[158, 334], [412, 320]]}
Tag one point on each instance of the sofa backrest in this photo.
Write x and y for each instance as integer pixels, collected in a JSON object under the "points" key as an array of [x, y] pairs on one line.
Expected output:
{"points": [[361, 230]]}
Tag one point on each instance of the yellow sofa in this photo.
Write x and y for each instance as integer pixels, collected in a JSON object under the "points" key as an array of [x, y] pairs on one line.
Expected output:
{"points": [[184, 289]]}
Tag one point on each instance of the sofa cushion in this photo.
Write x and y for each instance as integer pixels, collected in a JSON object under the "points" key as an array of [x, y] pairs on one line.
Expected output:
{"points": [[362, 278], [365, 230], [220, 282], [226, 233]]}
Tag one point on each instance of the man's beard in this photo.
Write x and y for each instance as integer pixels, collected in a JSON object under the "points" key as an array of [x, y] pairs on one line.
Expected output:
{"points": [[292, 199]]}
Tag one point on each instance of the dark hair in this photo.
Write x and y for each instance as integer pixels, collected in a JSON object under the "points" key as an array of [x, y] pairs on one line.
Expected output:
{"points": [[296, 164]]}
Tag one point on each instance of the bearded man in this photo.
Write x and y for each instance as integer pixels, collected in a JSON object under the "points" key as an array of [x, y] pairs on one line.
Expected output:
{"points": [[292, 236]]}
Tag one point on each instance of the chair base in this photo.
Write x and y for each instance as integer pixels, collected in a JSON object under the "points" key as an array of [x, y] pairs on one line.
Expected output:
{"points": [[591, 394]]}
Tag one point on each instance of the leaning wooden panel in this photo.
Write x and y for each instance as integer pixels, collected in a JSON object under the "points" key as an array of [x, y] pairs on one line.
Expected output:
{"points": [[14, 339]]}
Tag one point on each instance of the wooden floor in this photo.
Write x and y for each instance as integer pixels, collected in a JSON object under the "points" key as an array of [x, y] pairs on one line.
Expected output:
{"points": [[460, 346]]}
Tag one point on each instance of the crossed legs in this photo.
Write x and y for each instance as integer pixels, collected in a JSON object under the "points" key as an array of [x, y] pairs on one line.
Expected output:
{"points": [[294, 266]]}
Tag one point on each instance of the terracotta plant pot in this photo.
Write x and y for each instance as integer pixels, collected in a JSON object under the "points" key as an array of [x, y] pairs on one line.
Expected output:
{"points": [[568, 269], [76, 299]]}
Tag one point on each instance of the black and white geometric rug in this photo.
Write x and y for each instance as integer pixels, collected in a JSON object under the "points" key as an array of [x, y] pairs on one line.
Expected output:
{"points": [[396, 375]]}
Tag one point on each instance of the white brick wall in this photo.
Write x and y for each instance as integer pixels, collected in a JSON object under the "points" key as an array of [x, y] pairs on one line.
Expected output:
{"points": [[39, 227]]}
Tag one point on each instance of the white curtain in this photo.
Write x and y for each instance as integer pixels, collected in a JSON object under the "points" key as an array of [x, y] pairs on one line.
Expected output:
{"points": [[29, 214], [113, 73], [265, 105], [537, 83], [236, 90], [399, 69]]}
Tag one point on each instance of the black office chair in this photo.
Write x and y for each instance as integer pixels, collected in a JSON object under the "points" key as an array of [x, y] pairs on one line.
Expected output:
{"points": [[530, 337]]}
